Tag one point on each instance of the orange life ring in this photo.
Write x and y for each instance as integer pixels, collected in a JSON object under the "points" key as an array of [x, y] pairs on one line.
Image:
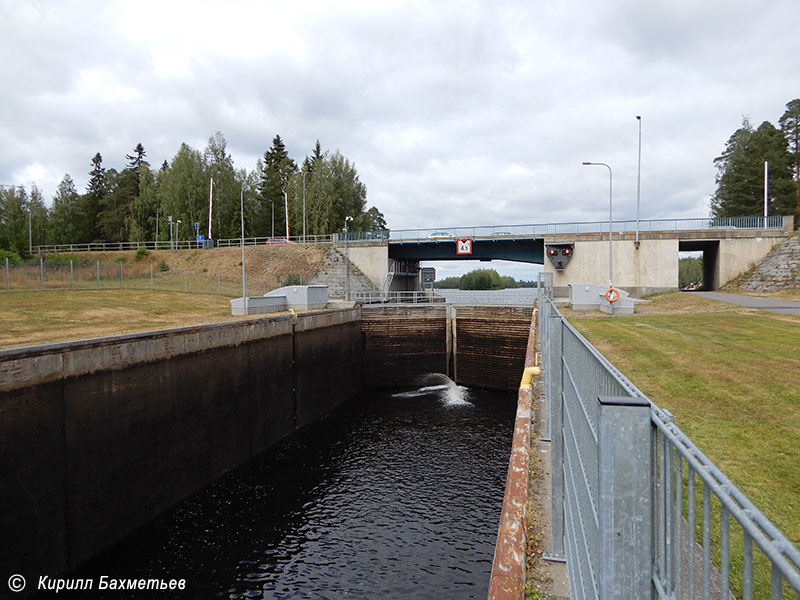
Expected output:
{"points": [[612, 294]]}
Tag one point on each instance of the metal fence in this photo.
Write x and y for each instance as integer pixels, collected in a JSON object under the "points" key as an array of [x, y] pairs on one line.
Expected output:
{"points": [[412, 297], [638, 510], [446, 233], [620, 226], [41, 274], [185, 244]]}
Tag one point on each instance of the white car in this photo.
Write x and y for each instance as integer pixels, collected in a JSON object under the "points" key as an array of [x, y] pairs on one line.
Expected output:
{"points": [[440, 234]]}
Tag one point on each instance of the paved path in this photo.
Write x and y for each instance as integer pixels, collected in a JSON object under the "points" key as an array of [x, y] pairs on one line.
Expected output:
{"points": [[777, 305]]}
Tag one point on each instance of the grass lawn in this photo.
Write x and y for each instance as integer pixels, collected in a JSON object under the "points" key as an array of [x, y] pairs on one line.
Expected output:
{"points": [[731, 377], [40, 317]]}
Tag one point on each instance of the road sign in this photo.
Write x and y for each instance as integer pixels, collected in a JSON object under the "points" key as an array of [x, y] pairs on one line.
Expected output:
{"points": [[464, 246]]}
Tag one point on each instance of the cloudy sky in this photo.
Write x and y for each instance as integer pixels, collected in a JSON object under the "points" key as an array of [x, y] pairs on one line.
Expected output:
{"points": [[454, 113]]}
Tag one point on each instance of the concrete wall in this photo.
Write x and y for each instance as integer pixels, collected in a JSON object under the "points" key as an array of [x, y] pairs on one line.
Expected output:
{"points": [[481, 346], [99, 437], [739, 255], [372, 260], [650, 269]]}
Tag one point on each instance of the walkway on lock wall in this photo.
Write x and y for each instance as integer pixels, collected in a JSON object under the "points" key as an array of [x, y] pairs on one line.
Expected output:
{"points": [[776, 305]]}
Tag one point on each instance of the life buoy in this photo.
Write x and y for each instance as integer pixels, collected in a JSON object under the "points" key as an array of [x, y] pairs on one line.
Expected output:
{"points": [[612, 294]]}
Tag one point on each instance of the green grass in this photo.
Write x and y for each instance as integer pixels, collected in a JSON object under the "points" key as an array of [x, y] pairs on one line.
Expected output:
{"points": [[34, 317], [732, 380]]}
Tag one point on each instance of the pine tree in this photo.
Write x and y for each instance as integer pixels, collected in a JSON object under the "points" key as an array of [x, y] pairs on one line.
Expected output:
{"points": [[790, 124], [92, 201], [740, 173], [277, 170], [116, 206]]}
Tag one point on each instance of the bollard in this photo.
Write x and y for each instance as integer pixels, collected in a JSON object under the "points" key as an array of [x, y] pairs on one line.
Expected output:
{"points": [[625, 502]]}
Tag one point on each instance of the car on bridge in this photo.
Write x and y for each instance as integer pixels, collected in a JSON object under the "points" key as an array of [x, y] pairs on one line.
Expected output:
{"points": [[440, 234], [272, 241]]}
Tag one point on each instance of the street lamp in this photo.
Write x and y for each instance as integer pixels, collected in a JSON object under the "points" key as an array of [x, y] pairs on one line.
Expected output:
{"points": [[178, 233], [638, 181], [169, 220], [273, 216], [286, 210], [347, 261], [304, 206], [610, 250], [244, 273]]}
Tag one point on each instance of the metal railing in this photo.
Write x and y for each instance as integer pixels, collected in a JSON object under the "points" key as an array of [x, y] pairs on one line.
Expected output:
{"points": [[182, 244], [499, 232], [413, 297], [276, 241], [621, 489], [492, 232]]}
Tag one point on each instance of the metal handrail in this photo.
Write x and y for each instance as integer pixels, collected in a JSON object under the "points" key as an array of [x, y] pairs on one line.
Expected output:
{"points": [[675, 447], [500, 232], [493, 232]]}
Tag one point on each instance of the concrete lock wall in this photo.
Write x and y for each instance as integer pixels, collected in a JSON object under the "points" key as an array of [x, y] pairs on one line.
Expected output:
{"points": [[372, 259], [656, 262], [481, 346], [99, 437], [736, 256]]}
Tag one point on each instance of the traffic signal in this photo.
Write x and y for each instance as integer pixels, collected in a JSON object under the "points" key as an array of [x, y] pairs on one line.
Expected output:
{"points": [[560, 254]]}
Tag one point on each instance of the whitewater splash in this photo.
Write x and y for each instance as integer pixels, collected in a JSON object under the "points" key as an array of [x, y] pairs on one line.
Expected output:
{"points": [[442, 386]]}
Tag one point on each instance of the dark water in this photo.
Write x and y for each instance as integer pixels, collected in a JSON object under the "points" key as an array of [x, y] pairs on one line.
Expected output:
{"points": [[392, 496]]}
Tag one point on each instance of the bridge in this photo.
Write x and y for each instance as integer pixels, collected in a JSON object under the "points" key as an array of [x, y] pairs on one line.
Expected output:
{"points": [[644, 255]]}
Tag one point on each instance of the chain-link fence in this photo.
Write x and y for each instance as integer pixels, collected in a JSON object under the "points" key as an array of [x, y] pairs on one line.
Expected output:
{"points": [[46, 274]]}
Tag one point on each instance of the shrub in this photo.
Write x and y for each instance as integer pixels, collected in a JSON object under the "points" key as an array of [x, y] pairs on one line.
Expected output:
{"points": [[120, 259], [163, 266], [14, 259], [141, 253]]}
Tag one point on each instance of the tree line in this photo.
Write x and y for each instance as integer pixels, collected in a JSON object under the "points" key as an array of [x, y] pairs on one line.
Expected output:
{"points": [[740, 168], [135, 203], [480, 279]]}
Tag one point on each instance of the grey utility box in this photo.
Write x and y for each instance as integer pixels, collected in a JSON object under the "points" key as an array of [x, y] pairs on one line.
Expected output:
{"points": [[302, 297]]}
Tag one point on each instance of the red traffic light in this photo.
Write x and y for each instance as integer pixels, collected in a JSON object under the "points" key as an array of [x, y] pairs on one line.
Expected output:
{"points": [[567, 251]]}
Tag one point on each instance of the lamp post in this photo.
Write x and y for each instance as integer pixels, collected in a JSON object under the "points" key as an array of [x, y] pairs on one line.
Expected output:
{"points": [[178, 233], [273, 217], [610, 246], [638, 181], [244, 272], [169, 220], [304, 206], [286, 210], [347, 261]]}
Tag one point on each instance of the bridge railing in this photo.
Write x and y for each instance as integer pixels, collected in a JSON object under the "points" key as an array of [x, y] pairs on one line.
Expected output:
{"points": [[631, 492], [500, 232]]}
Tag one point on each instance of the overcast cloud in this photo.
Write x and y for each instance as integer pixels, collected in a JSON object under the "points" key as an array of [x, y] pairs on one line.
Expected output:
{"points": [[454, 113]]}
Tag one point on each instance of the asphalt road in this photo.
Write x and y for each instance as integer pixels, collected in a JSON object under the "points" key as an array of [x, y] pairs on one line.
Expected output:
{"points": [[776, 305]]}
